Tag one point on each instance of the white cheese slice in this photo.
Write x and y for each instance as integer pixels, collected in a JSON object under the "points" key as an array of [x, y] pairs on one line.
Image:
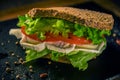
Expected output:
{"points": [[16, 32], [88, 46], [96, 50]]}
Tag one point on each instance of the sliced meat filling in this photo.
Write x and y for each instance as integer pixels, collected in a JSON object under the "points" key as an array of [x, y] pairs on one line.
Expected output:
{"points": [[58, 46]]}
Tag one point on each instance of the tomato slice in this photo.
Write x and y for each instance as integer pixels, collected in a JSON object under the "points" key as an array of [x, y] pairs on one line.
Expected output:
{"points": [[72, 39], [32, 36]]}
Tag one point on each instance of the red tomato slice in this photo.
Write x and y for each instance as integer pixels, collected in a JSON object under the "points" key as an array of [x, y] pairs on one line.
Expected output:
{"points": [[53, 38], [32, 36]]}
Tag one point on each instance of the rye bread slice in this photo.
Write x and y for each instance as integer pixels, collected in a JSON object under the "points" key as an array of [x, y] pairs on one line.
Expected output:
{"points": [[84, 17]]}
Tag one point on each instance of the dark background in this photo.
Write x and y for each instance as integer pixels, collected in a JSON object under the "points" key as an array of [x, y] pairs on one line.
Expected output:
{"points": [[10, 9], [5, 4], [105, 67]]}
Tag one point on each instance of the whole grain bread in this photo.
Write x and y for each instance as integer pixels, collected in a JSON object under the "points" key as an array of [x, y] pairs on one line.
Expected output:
{"points": [[84, 17]]}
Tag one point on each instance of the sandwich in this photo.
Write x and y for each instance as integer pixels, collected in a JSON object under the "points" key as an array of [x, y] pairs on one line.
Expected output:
{"points": [[64, 34]]}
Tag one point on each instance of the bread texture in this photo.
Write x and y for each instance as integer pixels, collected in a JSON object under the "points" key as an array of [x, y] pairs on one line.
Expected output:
{"points": [[84, 17]]}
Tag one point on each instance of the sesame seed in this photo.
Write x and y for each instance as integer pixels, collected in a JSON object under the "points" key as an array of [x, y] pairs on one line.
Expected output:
{"points": [[49, 62], [16, 63], [114, 34], [16, 42], [8, 69], [18, 76], [2, 44], [23, 62], [7, 63], [31, 70], [20, 60], [30, 67], [8, 41], [12, 54]]}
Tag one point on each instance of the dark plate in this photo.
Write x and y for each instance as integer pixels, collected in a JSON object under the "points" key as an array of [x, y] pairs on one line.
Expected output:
{"points": [[105, 66]]}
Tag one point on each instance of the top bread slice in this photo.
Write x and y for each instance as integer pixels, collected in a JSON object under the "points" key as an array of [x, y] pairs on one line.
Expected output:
{"points": [[84, 17]]}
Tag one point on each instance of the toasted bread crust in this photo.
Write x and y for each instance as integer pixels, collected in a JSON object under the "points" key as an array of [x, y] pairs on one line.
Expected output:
{"points": [[81, 16]]}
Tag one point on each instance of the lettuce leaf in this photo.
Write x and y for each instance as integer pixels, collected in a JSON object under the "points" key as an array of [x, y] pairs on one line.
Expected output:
{"points": [[56, 55], [91, 33], [62, 27], [40, 26], [32, 54], [80, 59]]}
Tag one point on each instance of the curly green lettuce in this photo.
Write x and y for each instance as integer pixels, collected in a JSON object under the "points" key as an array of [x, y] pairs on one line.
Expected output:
{"points": [[55, 26], [79, 59], [97, 36]]}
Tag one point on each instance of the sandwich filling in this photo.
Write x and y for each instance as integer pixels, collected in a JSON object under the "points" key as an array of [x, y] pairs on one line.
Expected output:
{"points": [[60, 38]]}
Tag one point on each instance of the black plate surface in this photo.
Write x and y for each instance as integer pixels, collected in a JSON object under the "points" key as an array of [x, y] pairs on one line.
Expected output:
{"points": [[105, 66]]}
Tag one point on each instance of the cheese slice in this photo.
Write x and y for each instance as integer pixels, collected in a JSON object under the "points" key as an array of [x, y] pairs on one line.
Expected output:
{"points": [[98, 49], [16, 33], [88, 46]]}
